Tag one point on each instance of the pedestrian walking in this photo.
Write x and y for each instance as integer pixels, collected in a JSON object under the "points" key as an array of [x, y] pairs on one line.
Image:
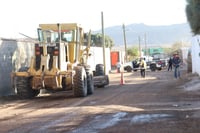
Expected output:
{"points": [[176, 63], [143, 67], [118, 67], [170, 64]]}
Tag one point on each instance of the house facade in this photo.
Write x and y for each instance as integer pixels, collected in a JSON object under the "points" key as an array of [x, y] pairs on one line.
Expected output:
{"points": [[195, 51]]}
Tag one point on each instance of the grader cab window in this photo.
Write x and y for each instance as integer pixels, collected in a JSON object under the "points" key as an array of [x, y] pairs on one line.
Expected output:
{"points": [[68, 36], [52, 37], [47, 36]]}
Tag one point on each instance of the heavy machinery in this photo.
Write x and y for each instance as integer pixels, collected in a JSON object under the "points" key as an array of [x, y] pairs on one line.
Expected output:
{"points": [[59, 63]]}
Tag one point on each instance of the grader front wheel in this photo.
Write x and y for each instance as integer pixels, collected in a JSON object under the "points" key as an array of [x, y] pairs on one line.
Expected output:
{"points": [[90, 83], [80, 82]]}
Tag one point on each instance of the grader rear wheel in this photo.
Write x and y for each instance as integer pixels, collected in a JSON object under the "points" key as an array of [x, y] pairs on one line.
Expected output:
{"points": [[24, 89], [23, 86], [80, 82]]}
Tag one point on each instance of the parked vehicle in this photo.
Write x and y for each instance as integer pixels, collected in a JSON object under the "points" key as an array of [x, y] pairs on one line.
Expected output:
{"points": [[128, 67], [136, 64], [155, 64]]}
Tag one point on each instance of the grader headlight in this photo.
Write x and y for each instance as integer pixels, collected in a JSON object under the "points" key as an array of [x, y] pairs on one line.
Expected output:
{"points": [[56, 51], [37, 49]]}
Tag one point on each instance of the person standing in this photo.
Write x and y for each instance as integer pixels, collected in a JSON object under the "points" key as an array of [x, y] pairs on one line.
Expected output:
{"points": [[176, 63], [170, 64], [118, 67], [143, 67]]}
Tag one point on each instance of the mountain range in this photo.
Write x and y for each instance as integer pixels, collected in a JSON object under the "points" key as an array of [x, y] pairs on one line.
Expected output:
{"points": [[151, 35]]}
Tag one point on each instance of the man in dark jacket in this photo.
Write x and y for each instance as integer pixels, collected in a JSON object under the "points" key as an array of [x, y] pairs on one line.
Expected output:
{"points": [[170, 64], [176, 63]]}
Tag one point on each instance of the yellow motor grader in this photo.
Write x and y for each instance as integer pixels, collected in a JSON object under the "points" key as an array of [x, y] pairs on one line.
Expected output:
{"points": [[59, 63]]}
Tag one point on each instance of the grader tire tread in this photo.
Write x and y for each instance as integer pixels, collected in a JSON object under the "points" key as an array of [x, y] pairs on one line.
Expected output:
{"points": [[90, 83], [99, 70], [23, 86], [107, 82], [80, 82], [24, 89]]}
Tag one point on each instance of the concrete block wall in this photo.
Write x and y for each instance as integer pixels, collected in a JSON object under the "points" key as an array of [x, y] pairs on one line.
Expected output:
{"points": [[13, 55]]}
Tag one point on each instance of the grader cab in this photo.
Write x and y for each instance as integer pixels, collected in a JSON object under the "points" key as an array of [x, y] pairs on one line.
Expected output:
{"points": [[59, 63]]}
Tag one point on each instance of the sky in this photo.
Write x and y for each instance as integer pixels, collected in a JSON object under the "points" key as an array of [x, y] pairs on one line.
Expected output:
{"points": [[24, 16]]}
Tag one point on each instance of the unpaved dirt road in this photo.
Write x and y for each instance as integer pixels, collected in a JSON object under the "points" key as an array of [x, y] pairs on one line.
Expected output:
{"points": [[155, 104]]}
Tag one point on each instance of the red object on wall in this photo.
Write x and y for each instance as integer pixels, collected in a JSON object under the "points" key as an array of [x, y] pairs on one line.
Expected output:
{"points": [[114, 58]]}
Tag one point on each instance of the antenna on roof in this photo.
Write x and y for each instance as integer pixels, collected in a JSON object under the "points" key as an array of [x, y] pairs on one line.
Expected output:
{"points": [[27, 36]]}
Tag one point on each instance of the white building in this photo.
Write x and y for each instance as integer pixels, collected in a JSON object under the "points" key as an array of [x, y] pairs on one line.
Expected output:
{"points": [[195, 50], [184, 51], [97, 58]]}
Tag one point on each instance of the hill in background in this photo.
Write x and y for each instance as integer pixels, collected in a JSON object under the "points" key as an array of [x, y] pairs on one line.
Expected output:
{"points": [[155, 35]]}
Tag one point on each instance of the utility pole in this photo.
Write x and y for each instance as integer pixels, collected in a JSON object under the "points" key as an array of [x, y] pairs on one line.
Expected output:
{"points": [[139, 46], [145, 42], [103, 43], [124, 33]]}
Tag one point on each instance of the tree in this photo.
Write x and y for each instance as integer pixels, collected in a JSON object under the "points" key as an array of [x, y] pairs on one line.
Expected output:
{"points": [[193, 15], [97, 40], [132, 52], [167, 50], [176, 46]]}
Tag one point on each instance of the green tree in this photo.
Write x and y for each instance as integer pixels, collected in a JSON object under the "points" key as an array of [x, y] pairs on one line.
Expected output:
{"points": [[193, 15], [97, 40], [132, 52]]}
